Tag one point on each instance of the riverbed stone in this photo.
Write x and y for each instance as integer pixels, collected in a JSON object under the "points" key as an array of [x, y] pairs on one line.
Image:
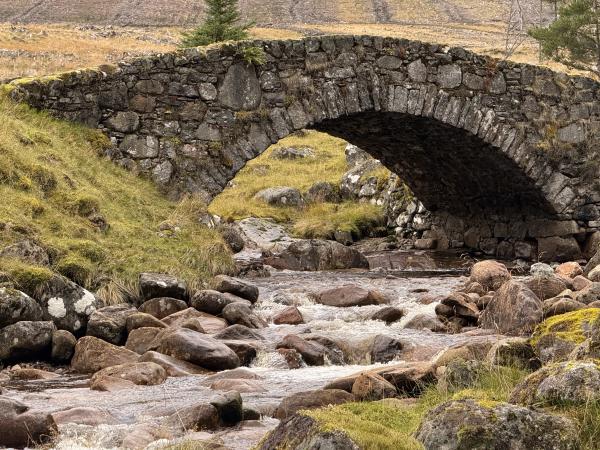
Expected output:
{"points": [[213, 302], [463, 424], [588, 294], [312, 352], [371, 387], [514, 310], [545, 287], [173, 366], [310, 400], [489, 274], [236, 286], [350, 295], [238, 332], [93, 354], [230, 407], [161, 307], [22, 427], [246, 351], [89, 416], [143, 320], [513, 352], [209, 323], [16, 306], [156, 285], [388, 314], [110, 323], [26, 340], [198, 349], [143, 339], [202, 416], [139, 373], [385, 349], [63, 346], [569, 269], [241, 314]]}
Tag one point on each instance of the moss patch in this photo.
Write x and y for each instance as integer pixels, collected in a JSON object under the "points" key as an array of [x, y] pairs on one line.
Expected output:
{"points": [[58, 191], [569, 327]]}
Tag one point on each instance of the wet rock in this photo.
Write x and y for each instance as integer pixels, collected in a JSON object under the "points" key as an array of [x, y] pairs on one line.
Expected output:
{"points": [[26, 340], [68, 305], [241, 373], [514, 310], [209, 323], [350, 295], [144, 434], [112, 384], [198, 349], [238, 385], [22, 427], [15, 306], [63, 346], [292, 357], [385, 349], [235, 286], [311, 400], [238, 333], [568, 270], [545, 287], [388, 314], [84, 416], [313, 254], [280, 196], [513, 352], [28, 252], [371, 387], [570, 382], [110, 323], [464, 424], [556, 337], [334, 355], [424, 321], [162, 307], [489, 274], [93, 354], [143, 320], [312, 352], [139, 373], [173, 366], [303, 432], [213, 302], [194, 418], [230, 407], [241, 314], [292, 153], [245, 351], [142, 340], [322, 192], [289, 316], [157, 285]]}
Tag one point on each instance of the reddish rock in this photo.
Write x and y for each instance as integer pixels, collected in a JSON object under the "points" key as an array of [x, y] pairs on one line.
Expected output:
{"points": [[93, 354], [569, 270], [142, 340], [489, 274], [350, 295], [312, 352], [289, 316], [140, 373], [580, 282], [210, 324], [143, 320], [311, 400], [371, 387]]}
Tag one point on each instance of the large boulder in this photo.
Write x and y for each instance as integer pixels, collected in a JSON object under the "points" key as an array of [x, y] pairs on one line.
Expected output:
{"points": [[15, 306], [213, 302], [156, 285], [280, 196], [468, 424], [143, 320], [239, 333], [209, 323], [545, 287], [235, 286], [68, 305], [556, 248], [199, 349], [194, 418], [388, 314], [350, 295], [161, 307], [515, 310], [314, 254], [26, 340], [93, 354], [289, 316], [513, 352], [143, 339], [489, 274], [139, 373], [241, 314], [569, 382], [313, 353], [310, 400], [556, 337], [22, 427], [110, 323], [173, 366], [63, 346]]}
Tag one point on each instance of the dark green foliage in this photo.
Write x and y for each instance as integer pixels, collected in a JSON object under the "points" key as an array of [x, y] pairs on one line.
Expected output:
{"points": [[222, 23], [574, 38]]}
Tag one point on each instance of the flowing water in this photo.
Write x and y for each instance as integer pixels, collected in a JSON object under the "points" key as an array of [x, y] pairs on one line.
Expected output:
{"points": [[404, 277]]}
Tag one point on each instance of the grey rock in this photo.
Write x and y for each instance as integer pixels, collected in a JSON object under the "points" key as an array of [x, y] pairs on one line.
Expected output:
{"points": [[154, 285], [280, 196], [26, 340], [15, 306]]}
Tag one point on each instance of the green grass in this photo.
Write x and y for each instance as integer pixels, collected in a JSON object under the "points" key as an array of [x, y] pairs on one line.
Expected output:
{"points": [[569, 326], [53, 182], [312, 221]]}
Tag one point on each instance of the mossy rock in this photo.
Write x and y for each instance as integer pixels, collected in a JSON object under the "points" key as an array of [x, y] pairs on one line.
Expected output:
{"points": [[556, 337], [26, 277], [565, 383]]}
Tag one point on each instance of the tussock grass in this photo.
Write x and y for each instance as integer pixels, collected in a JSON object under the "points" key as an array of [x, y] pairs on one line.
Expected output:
{"points": [[55, 188], [312, 221]]}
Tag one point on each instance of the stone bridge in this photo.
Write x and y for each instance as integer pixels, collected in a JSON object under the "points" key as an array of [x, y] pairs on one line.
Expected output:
{"points": [[503, 156]]}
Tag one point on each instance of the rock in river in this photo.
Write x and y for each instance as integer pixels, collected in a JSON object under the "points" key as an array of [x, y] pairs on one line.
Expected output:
{"points": [[21, 427], [350, 295], [235, 286], [93, 354]]}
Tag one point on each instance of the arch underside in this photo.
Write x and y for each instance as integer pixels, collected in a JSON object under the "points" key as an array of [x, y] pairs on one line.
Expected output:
{"points": [[447, 168]]}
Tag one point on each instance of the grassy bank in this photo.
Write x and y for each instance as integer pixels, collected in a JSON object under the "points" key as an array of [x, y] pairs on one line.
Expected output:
{"points": [[97, 221], [315, 221]]}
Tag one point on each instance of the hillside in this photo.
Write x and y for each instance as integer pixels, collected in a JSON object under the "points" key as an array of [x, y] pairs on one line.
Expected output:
{"points": [[100, 225], [273, 13]]}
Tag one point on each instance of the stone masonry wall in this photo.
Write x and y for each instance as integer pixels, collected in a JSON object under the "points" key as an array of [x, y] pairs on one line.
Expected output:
{"points": [[496, 151]]}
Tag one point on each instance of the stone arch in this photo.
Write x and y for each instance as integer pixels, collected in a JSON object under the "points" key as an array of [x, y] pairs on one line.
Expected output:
{"points": [[192, 119]]}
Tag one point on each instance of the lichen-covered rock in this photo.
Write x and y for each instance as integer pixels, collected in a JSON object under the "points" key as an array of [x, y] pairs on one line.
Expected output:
{"points": [[556, 337], [513, 352], [459, 374], [280, 196], [28, 252], [68, 305], [26, 340], [568, 382], [15, 306], [468, 424], [161, 307], [514, 310], [489, 274]]}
